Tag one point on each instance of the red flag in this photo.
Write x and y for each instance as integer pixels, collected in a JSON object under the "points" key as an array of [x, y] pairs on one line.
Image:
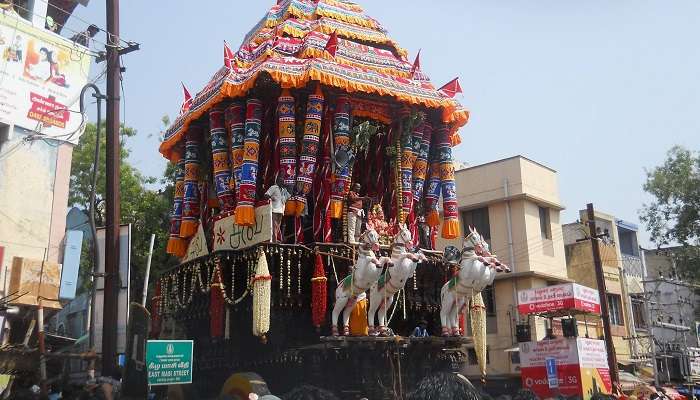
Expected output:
{"points": [[229, 60], [416, 65], [451, 88], [332, 44], [187, 103]]}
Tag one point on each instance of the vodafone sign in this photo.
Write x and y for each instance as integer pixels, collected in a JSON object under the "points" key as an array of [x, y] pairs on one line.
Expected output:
{"points": [[569, 296]]}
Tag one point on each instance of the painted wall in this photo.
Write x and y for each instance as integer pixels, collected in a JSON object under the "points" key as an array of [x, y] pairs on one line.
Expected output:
{"points": [[34, 179]]}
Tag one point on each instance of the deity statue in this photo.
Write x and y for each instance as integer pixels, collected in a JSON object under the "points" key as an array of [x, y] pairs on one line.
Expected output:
{"points": [[376, 218]]}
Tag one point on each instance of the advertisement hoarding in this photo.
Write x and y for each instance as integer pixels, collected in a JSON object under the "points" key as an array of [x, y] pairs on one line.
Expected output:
{"points": [[569, 296], [41, 76]]}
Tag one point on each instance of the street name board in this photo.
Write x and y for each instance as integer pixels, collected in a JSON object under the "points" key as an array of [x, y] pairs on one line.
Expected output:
{"points": [[169, 362]]}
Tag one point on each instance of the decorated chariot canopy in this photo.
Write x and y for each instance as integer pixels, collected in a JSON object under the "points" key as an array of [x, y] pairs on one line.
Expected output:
{"points": [[318, 98]]}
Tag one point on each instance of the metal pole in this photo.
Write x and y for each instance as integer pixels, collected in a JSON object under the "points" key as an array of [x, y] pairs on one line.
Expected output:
{"points": [[605, 310], [111, 279], [42, 349], [148, 270]]}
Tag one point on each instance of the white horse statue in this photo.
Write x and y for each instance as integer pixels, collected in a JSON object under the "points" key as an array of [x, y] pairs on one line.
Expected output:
{"points": [[381, 295], [364, 274], [477, 270]]}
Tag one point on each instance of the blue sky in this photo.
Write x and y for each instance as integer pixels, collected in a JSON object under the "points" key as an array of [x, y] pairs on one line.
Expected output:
{"points": [[598, 90]]}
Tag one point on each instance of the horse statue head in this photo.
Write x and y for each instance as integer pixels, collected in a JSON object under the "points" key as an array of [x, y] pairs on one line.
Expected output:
{"points": [[403, 236], [474, 241], [369, 239]]}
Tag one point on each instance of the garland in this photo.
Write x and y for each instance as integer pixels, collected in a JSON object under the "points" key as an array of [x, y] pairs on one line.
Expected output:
{"points": [[478, 321], [319, 295], [262, 288], [216, 305]]}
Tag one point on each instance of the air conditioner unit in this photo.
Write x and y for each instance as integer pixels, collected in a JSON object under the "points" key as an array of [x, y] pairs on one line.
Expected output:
{"points": [[5, 132]]}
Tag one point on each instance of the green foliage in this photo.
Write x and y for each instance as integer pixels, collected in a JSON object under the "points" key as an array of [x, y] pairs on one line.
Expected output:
{"points": [[362, 133], [673, 217], [146, 209]]}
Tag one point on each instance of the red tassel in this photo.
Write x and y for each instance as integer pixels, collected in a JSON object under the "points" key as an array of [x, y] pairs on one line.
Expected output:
{"points": [[216, 307], [319, 294], [155, 313]]}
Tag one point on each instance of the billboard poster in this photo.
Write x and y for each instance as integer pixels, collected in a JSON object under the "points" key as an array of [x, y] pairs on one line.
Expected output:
{"points": [[569, 296], [41, 76], [578, 365]]}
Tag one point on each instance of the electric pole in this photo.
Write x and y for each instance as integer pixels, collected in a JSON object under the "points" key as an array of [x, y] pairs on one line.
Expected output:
{"points": [[111, 278], [604, 308]]}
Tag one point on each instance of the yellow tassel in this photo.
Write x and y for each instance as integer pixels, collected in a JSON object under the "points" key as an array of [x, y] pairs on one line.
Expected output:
{"points": [[450, 229], [245, 215], [262, 293], [336, 209]]}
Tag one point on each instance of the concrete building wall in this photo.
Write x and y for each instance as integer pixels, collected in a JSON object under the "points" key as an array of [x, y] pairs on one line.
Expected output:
{"points": [[34, 180]]}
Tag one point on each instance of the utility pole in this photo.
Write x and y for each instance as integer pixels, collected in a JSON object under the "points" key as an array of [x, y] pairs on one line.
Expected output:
{"points": [[111, 278], [604, 308]]}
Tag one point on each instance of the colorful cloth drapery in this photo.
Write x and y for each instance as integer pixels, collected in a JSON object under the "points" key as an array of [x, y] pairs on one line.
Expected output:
{"points": [[245, 209], [341, 139], [450, 226], [221, 163], [309, 152], [176, 245], [432, 194], [235, 122], [191, 199], [287, 138], [420, 168], [410, 147], [322, 187]]}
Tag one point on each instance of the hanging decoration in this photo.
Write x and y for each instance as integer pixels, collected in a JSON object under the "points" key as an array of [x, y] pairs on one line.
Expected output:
{"points": [[410, 139], [245, 208], [309, 152], [450, 226], [319, 294], [420, 168], [221, 163], [262, 288], [216, 304], [343, 154], [432, 194], [322, 186], [478, 322], [176, 245], [287, 138], [235, 122], [191, 199]]}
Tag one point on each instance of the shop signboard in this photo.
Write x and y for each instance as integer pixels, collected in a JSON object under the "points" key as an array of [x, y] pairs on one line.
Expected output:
{"points": [[567, 366], [228, 236], [169, 362], [568, 296], [41, 76]]}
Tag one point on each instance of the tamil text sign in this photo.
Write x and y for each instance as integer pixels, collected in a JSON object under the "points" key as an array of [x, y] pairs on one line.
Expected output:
{"points": [[41, 76], [229, 236], [169, 362]]}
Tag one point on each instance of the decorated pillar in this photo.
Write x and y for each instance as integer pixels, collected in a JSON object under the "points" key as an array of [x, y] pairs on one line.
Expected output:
{"points": [[245, 208], [341, 139], [191, 199], [309, 152], [221, 163], [287, 138], [450, 225], [176, 245], [410, 146], [420, 168], [235, 122]]}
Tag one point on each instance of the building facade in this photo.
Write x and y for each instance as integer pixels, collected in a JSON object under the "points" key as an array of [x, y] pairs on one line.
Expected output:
{"points": [[514, 203]]}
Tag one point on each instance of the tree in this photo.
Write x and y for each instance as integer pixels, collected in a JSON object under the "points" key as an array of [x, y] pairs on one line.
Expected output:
{"points": [[146, 209], [673, 217]]}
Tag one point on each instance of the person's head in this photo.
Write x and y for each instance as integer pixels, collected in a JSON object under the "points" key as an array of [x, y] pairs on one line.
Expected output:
{"points": [[356, 187], [92, 30], [444, 386], [307, 392], [46, 55]]}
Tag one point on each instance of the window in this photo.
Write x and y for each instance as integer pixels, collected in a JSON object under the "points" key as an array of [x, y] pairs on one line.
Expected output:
{"points": [[489, 296], [545, 228], [479, 219], [615, 306], [471, 356], [639, 314]]}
